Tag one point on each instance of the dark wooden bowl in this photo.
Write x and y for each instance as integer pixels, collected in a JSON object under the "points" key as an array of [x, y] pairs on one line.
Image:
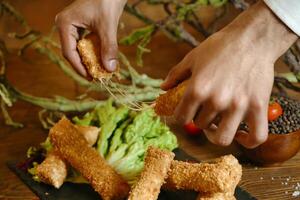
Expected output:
{"points": [[277, 149]]}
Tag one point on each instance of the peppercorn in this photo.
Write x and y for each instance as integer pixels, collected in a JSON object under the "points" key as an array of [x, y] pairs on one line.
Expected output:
{"points": [[288, 122]]}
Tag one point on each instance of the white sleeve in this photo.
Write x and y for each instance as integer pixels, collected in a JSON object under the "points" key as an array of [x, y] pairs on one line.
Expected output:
{"points": [[288, 11]]}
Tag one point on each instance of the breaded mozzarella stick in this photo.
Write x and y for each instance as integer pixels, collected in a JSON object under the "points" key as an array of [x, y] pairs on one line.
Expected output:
{"points": [[157, 164], [74, 148], [221, 176], [166, 103]]}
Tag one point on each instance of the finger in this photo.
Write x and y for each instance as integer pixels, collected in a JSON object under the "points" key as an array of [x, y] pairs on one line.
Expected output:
{"points": [[68, 38], [107, 33], [177, 74], [241, 136], [189, 104], [206, 116], [258, 128], [228, 127]]}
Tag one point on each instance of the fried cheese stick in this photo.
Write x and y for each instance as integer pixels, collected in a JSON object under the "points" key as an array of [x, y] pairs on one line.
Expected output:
{"points": [[221, 176], [157, 164], [72, 146], [89, 51], [53, 170], [166, 103]]}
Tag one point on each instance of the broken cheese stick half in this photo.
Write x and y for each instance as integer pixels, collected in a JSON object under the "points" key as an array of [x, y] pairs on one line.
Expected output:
{"points": [[72, 146], [166, 103], [89, 51], [53, 170], [157, 164]]}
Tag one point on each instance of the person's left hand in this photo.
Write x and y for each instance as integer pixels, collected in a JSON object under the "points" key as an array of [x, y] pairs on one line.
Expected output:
{"points": [[99, 16]]}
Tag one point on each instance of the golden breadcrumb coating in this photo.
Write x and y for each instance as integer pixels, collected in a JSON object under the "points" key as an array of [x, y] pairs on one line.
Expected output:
{"points": [[89, 51], [166, 103], [216, 196], [221, 176], [72, 146], [53, 170], [157, 164]]}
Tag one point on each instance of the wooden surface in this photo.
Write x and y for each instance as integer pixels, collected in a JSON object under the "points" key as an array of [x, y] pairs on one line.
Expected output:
{"points": [[272, 183]]}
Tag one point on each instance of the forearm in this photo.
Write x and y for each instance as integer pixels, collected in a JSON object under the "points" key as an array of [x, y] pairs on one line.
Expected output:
{"points": [[259, 25]]}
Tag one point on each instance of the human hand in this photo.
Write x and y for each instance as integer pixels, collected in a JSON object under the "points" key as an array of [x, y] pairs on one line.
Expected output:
{"points": [[99, 16], [231, 77]]}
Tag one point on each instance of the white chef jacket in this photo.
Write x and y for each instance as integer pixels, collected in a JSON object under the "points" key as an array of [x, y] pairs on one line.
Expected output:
{"points": [[288, 11]]}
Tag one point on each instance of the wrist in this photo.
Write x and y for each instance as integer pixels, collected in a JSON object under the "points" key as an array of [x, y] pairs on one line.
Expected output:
{"points": [[122, 2], [260, 28]]}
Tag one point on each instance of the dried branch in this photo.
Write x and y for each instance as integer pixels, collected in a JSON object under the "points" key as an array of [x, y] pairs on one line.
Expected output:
{"points": [[137, 2], [5, 95], [7, 119], [7, 8], [293, 62], [174, 31], [49, 118], [219, 15], [284, 82], [280, 88], [135, 77], [57, 104], [240, 4], [194, 21], [135, 12]]}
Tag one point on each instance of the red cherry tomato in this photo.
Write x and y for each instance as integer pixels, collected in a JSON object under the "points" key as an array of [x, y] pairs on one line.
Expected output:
{"points": [[192, 129], [274, 111]]}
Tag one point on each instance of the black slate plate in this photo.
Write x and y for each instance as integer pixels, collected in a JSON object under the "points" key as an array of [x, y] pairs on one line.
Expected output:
{"points": [[71, 191]]}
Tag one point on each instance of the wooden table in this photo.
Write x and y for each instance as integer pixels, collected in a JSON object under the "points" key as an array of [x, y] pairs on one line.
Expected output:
{"points": [[46, 79]]}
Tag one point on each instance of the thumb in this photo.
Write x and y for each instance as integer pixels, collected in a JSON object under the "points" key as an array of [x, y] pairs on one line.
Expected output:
{"points": [[176, 75], [109, 48]]}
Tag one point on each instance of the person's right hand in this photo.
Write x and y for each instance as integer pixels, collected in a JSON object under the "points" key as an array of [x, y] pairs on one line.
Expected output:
{"points": [[99, 16], [231, 76]]}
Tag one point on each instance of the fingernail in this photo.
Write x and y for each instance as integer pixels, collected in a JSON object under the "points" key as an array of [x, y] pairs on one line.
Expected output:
{"points": [[112, 65], [213, 127], [163, 85]]}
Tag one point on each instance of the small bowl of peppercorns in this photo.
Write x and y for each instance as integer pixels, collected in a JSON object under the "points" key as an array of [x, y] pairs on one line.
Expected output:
{"points": [[284, 133]]}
